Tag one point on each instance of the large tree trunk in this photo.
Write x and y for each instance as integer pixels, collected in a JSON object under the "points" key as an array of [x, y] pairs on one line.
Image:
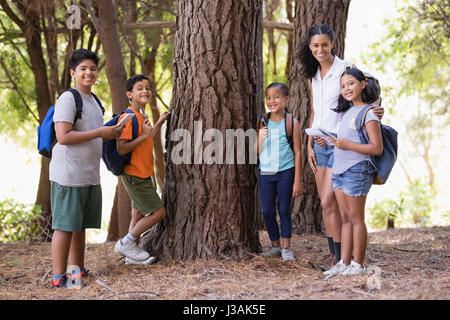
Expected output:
{"points": [[218, 80], [307, 212], [117, 76]]}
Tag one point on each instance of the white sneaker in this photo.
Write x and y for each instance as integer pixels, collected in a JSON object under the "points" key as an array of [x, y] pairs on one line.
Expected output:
{"points": [[287, 254], [354, 269], [150, 260], [131, 251], [337, 268]]}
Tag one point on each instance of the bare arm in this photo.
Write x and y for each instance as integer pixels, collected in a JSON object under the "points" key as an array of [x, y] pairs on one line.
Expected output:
{"points": [[261, 135], [309, 148], [159, 123], [298, 185], [126, 146], [67, 136]]}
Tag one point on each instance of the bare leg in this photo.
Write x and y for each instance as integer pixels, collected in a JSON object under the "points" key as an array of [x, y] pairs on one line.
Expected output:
{"points": [[147, 222], [60, 250], [330, 207], [347, 227], [320, 177], [77, 246], [286, 242], [356, 213], [136, 215]]}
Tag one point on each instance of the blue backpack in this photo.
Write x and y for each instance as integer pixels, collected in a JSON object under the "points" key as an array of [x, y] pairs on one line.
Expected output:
{"points": [[113, 160], [46, 131], [384, 162]]}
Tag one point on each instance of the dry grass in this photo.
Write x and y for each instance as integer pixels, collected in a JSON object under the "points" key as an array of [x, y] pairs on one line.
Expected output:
{"points": [[414, 265]]}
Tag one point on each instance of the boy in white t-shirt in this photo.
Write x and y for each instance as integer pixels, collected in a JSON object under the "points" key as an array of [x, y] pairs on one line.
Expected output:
{"points": [[76, 197]]}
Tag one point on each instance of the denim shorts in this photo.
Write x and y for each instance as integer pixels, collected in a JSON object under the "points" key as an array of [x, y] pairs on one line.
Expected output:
{"points": [[356, 181], [324, 155]]}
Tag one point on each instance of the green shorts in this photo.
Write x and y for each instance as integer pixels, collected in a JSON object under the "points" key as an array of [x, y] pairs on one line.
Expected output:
{"points": [[76, 208], [142, 194]]}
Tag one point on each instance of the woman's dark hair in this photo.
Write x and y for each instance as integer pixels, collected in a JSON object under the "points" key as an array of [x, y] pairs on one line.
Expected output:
{"points": [[370, 93], [310, 64], [136, 78], [284, 89], [82, 54]]}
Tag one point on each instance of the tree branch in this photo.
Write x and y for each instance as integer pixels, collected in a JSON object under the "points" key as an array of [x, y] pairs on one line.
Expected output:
{"points": [[11, 14], [17, 49], [16, 88]]}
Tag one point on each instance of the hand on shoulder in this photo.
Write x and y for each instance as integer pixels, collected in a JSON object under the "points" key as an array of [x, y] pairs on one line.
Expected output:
{"points": [[378, 111]]}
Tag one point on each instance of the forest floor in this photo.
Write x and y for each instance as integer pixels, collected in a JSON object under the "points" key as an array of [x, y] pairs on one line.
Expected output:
{"points": [[410, 264]]}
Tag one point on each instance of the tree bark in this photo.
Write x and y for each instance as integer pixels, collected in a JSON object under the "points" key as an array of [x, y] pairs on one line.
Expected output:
{"points": [[117, 77], [307, 212], [29, 23], [218, 80]]}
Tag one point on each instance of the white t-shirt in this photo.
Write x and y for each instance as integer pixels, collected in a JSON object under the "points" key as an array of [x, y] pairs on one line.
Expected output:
{"points": [[77, 165], [326, 93]]}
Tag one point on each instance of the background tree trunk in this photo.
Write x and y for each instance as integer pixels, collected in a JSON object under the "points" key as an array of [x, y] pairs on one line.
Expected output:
{"points": [[117, 77], [218, 80], [307, 212], [29, 23]]}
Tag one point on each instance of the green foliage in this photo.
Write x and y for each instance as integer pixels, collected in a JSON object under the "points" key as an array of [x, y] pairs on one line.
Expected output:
{"points": [[413, 207], [419, 198], [416, 46], [384, 210], [17, 220]]}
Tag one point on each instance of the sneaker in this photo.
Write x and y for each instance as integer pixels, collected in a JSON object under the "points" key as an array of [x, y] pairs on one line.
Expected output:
{"points": [[287, 254], [84, 273], [274, 251], [150, 260], [131, 251], [337, 268], [354, 269], [60, 283]]}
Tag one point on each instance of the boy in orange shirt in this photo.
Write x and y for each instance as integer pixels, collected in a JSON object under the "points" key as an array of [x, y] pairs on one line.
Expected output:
{"points": [[147, 207]]}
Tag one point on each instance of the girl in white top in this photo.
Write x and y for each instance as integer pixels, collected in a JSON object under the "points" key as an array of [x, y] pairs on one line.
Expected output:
{"points": [[324, 69]]}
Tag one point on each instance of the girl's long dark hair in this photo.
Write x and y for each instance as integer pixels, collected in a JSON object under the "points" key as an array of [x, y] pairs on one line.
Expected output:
{"points": [[370, 93], [310, 64]]}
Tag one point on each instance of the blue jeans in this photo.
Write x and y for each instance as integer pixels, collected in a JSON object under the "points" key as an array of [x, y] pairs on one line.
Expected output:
{"points": [[279, 186], [356, 181]]}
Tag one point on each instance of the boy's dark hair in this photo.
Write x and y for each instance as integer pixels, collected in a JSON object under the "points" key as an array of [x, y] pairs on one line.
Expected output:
{"points": [[310, 64], [82, 54], [136, 78], [284, 89], [370, 93]]}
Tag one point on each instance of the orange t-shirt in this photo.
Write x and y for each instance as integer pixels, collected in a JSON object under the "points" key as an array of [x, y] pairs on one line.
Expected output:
{"points": [[141, 163]]}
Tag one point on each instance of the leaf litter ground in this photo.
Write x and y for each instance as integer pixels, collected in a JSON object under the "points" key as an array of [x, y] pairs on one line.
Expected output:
{"points": [[413, 264]]}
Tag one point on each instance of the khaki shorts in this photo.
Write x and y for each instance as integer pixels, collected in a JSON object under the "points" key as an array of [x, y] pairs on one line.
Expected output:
{"points": [[76, 208], [142, 194]]}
